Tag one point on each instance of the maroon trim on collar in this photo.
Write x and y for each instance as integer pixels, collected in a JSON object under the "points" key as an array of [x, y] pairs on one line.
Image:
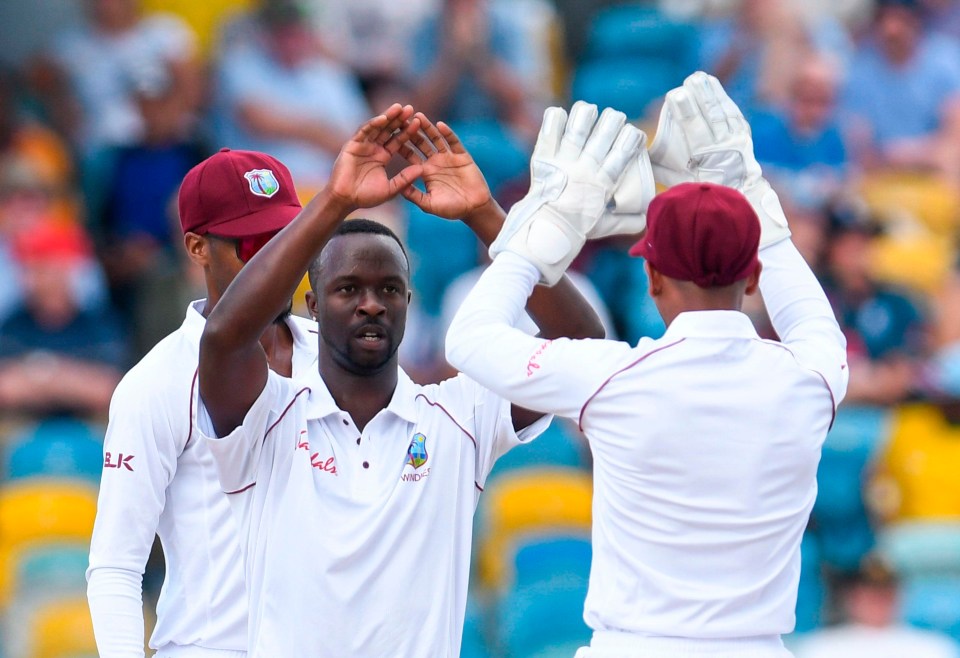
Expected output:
{"points": [[583, 409]]}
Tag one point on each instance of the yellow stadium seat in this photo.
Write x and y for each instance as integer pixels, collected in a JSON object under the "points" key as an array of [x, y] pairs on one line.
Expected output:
{"points": [[931, 200], [62, 629], [205, 17], [918, 260], [530, 502], [42, 509]]}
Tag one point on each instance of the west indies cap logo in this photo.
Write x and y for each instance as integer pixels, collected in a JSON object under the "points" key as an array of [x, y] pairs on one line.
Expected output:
{"points": [[417, 452], [262, 182]]}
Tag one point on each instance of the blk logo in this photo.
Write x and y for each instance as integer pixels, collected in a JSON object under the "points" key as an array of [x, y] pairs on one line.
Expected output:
{"points": [[123, 461]]}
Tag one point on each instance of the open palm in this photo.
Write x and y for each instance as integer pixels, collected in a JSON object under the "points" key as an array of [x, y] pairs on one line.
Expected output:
{"points": [[454, 184]]}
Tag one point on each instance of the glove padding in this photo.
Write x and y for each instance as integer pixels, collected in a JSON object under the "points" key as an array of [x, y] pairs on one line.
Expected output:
{"points": [[626, 213], [576, 164], [702, 136]]}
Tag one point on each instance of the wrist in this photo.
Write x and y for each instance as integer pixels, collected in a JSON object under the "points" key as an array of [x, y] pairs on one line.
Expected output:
{"points": [[485, 220], [335, 203]]}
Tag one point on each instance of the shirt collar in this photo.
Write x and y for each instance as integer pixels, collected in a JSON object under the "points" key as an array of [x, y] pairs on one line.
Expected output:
{"points": [[711, 324], [321, 403]]}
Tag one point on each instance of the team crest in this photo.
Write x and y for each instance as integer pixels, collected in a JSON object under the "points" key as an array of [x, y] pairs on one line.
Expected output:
{"points": [[417, 452], [262, 182]]}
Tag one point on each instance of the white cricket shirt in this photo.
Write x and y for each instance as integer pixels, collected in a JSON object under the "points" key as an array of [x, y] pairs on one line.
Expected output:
{"points": [[159, 479], [705, 445], [358, 543]]}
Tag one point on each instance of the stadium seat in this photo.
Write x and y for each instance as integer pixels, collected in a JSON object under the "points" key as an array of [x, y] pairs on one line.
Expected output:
{"points": [[63, 448], [638, 30], [474, 644], [811, 593], [532, 502], [45, 567], [542, 618], [627, 84], [62, 629], [544, 558], [932, 602], [931, 200], [48, 510], [921, 548], [500, 155]]}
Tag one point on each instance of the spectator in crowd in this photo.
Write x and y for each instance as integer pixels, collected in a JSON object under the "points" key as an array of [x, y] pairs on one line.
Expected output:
{"points": [[56, 357], [885, 328], [279, 94], [754, 50], [466, 62], [800, 147], [902, 97], [119, 79], [943, 17], [870, 628]]}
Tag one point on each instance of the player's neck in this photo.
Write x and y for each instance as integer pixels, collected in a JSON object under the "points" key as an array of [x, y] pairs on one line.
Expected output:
{"points": [[362, 396]]}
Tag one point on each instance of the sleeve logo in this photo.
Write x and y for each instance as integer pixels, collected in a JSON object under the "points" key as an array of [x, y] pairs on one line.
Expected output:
{"points": [[123, 461]]}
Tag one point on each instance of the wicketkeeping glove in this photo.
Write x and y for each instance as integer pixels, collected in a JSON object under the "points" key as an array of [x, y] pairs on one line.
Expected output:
{"points": [[702, 136], [576, 165]]}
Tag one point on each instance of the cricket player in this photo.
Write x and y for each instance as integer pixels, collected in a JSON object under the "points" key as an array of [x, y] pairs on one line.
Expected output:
{"points": [[706, 441], [355, 488], [158, 475]]}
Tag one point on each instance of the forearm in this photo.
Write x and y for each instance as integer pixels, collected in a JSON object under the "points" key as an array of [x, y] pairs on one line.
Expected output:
{"points": [[801, 314], [433, 93], [559, 311], [116, 608]]}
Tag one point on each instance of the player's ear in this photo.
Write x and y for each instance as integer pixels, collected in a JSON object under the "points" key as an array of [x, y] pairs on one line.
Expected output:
{"points": [[753, 281], [198, 248], [311, 299], [654, 280]]}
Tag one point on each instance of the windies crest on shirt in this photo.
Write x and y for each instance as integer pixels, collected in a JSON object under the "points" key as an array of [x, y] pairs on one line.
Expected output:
{"points": [[417, 452], [262, 182]]}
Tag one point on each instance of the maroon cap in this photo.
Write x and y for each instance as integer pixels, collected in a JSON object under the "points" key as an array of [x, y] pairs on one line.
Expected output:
{"points": [[237, 194], [701, 232]]}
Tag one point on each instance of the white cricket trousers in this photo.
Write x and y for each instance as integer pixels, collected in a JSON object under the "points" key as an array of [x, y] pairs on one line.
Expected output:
{"points": [[613, 644], [198, 652]]}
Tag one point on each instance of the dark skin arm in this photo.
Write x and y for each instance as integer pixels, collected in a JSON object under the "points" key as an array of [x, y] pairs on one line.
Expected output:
{"points": [[456, 189], [233, 366]]}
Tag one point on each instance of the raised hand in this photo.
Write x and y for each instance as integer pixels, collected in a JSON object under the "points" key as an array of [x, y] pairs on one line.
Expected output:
{"points": [[703, 136], [455, 187], [359, 178]]}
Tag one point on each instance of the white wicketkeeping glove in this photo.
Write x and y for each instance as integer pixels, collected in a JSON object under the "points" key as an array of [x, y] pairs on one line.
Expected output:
{"points": [[576, 164], [702, 136], [626, 213]]}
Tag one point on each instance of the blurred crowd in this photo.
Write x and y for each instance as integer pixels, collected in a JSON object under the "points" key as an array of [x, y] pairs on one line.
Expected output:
{"points": [[855, 110]]}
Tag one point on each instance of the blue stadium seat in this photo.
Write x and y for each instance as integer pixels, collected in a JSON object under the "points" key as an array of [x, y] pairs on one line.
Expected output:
{"points": [[811, 594], [545, 558], [474, 643], [500, 155], [541, 617], [636, 30], [922, 547], [58, 447], [628, 84], [54, 568], [932, 602]]}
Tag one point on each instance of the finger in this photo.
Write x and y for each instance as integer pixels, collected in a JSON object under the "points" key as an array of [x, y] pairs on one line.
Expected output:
{"points": [[410, 155], [413, 194], [405, 178], [709, 104], [402, 136], [604, 134], [579, 126], [395, 121], [423, 143], [625, 148], [451, 138], [551, 131], [432, 133], [735, 118]]}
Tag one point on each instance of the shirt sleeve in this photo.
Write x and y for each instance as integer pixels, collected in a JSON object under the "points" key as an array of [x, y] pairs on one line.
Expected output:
{"points": [[551, 376], [141, 447], [802, 316]]}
